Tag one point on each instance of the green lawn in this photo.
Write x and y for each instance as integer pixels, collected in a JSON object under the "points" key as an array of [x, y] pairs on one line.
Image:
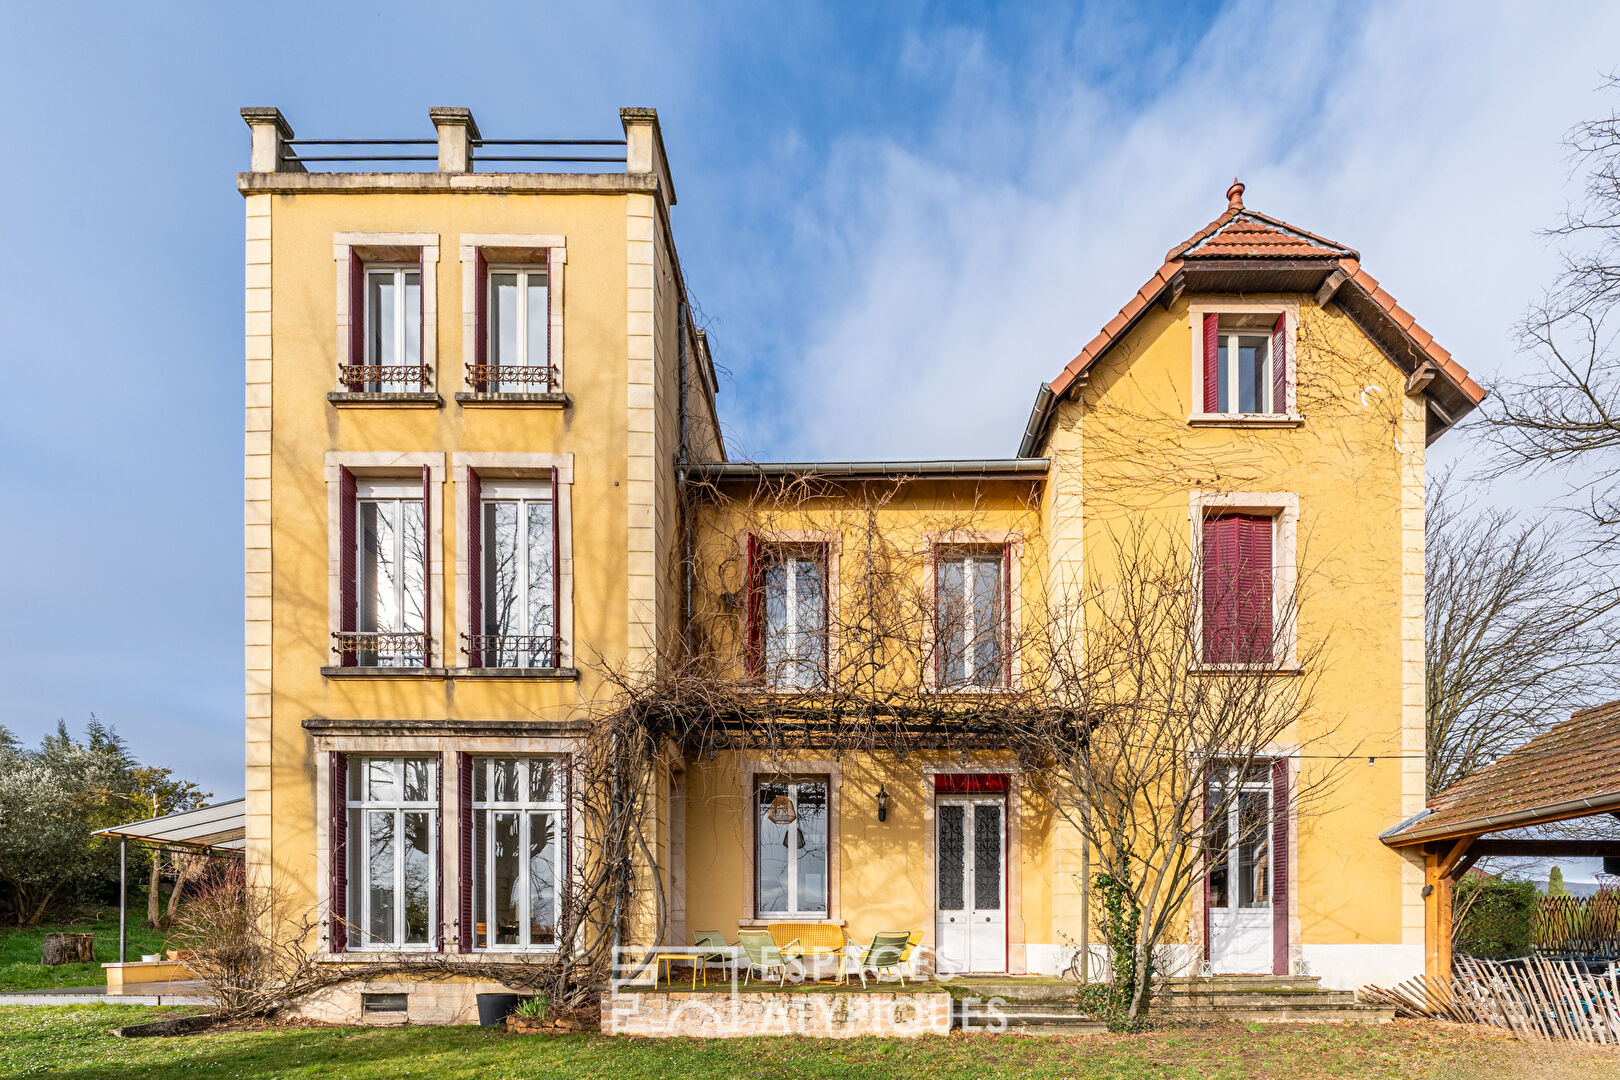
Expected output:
{"points": [[73, 1044], [20, 968]]}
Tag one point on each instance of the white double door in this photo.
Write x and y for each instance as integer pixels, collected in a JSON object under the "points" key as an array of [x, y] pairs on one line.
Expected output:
{"points": [[970, 914]]}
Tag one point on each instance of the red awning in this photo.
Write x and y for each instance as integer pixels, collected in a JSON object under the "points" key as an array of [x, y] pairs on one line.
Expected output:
{"points": [[969, 783]]}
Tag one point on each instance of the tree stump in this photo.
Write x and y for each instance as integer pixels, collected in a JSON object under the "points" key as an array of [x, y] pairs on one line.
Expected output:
{"points": [[69, 949]]}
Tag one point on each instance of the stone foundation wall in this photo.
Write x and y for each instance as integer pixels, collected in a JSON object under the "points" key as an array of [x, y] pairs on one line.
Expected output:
{"points": [[426, 1002], [821, 1015]]}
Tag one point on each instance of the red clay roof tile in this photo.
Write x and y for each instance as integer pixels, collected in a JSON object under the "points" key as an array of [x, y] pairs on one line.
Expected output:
{"points": [[1578, 759], [1240, 233]]}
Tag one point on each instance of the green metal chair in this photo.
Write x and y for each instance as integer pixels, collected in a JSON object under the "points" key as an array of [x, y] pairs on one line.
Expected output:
{"points": [[886, 953], [761, 951], [712, 945]]}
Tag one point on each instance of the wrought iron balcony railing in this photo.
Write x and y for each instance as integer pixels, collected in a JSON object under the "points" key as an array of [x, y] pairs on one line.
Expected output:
{"points": [[381, 649], [385, 379], [512, 379], [513, 650]]}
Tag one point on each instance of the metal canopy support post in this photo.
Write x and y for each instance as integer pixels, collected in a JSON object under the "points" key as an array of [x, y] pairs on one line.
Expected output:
{"points": [[123, 899]]}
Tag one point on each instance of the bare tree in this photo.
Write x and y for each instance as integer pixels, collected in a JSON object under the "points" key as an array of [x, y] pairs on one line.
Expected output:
{"points": [[1156, 750], [1518, 633], [1563, 416]]}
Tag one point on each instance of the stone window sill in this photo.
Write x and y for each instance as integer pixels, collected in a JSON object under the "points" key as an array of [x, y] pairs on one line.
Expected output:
{"points": [[760, 924], [1245, 420], [344, 399], [1219, 670], [544, 674], [557, 400]]}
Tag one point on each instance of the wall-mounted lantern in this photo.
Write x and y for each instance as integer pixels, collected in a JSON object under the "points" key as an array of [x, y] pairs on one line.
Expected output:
{"points": [[883, 804]]}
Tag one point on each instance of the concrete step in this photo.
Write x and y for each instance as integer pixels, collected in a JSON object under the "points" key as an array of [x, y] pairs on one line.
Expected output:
{"points": [[1257, 998], [1244, 982], [1027, 1019]]}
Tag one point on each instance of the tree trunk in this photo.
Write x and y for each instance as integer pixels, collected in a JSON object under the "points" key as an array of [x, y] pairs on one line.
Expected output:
{"points": [[69, 949], [154, 894]]}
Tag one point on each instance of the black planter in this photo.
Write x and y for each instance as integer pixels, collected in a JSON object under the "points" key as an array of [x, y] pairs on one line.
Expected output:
{"points": [[493, 1009]]}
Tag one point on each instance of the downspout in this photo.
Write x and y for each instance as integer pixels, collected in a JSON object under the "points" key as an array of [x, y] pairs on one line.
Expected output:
{"points": [[1037, 421], [683, 457]]}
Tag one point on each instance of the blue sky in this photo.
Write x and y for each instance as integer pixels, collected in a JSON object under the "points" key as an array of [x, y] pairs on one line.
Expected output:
{"points": [[888, 212]]}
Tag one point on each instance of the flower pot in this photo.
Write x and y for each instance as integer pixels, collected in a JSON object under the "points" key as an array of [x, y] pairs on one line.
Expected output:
{"points": [[493, 1009]]}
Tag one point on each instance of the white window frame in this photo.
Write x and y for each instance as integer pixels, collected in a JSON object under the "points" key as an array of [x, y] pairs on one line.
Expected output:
{"points": [[399, 492], [523, 271], [524, 493], [485, 810], [398, 272], [1289, 309], [1231, 339], [1235, 785], [357, 906], [796, 551], [1283, 509], [793, 910], [945, 553]]}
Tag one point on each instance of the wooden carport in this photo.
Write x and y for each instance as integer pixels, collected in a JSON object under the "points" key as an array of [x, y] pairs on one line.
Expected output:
{"points": [[1571, 771]]}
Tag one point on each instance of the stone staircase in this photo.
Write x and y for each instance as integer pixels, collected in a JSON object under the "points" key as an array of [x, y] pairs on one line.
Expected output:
{"points": [[1265, 999], [1041, 1006]]}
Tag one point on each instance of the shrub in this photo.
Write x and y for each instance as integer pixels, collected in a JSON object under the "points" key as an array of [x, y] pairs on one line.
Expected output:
{"points": [[1492, 917]]}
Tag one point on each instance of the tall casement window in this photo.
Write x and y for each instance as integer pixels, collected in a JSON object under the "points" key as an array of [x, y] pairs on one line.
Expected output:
{"points": [[1240, 837], [1237, 598], [391, 838], [519, 851], [383, 579], [790, 847], [788, 614], [971, 586], [390, 356], [513, 586], [512, 290], [1246, 363]]}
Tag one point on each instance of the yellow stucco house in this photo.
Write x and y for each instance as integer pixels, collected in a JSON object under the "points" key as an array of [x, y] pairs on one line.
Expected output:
{"points": [[488, 504]]}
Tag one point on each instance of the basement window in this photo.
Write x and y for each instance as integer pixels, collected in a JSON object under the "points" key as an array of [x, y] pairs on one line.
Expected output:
{"points": [[383, 1003]]}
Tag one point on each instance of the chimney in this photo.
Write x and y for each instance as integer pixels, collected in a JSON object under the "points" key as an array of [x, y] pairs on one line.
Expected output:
{"points": [[271, 133], [644, 148], [457, 132]]}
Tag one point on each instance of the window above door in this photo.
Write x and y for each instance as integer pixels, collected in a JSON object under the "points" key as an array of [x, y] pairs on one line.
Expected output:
{"points": [[1244, 364]]}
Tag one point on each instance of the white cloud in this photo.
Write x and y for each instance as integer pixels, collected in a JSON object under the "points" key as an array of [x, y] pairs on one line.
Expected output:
{"points": [[950, 274]]}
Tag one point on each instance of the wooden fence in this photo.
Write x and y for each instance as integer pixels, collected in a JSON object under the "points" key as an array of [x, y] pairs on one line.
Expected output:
{"points": [[1577, 926], [1535, 998]]}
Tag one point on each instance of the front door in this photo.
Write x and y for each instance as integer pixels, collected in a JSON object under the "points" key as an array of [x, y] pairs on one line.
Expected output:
{"points": [[970, 917], [1240, 881]]}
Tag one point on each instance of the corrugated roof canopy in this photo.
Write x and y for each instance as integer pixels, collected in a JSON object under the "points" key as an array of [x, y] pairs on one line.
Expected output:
{"points": [[222, 827], [1571, 771]]}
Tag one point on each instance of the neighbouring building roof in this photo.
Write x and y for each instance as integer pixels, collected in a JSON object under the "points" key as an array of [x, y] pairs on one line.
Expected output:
{"points": [[1244, 250], [1571, 771], [221, 827], [1006, 468]]}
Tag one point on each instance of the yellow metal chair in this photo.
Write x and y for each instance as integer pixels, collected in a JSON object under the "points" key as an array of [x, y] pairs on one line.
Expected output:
{"points": [[803, 941]]}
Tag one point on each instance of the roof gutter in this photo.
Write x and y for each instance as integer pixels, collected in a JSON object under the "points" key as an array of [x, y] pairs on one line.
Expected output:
{"points": [[1037, 421], [1019, 467], [1596, 804]]}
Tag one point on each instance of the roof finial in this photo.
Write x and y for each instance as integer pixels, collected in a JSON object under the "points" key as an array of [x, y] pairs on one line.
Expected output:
{"points": [[1234, 195]]}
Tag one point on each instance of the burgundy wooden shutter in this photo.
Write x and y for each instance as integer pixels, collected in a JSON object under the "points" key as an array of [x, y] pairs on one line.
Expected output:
{"points": [[1209, 865], [466, 925], [1005, 630], [1220, 588], [337, 848], [1254, 589], [939, 624], [348, 569], [480, 356], [438, 878], [753, 651], [1279, 365], [556, 573], [421, 316], [475, 568], [427, 566], [554, 381], [1279, 867], [357, 320], [1212, 363]]}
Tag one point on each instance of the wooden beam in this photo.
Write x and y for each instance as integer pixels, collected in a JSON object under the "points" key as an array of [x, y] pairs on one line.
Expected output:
{"points": [[1546, 849], [1419, 380], [1454, 855], [1466, 865], [1329, 287], [1436, 921]]}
